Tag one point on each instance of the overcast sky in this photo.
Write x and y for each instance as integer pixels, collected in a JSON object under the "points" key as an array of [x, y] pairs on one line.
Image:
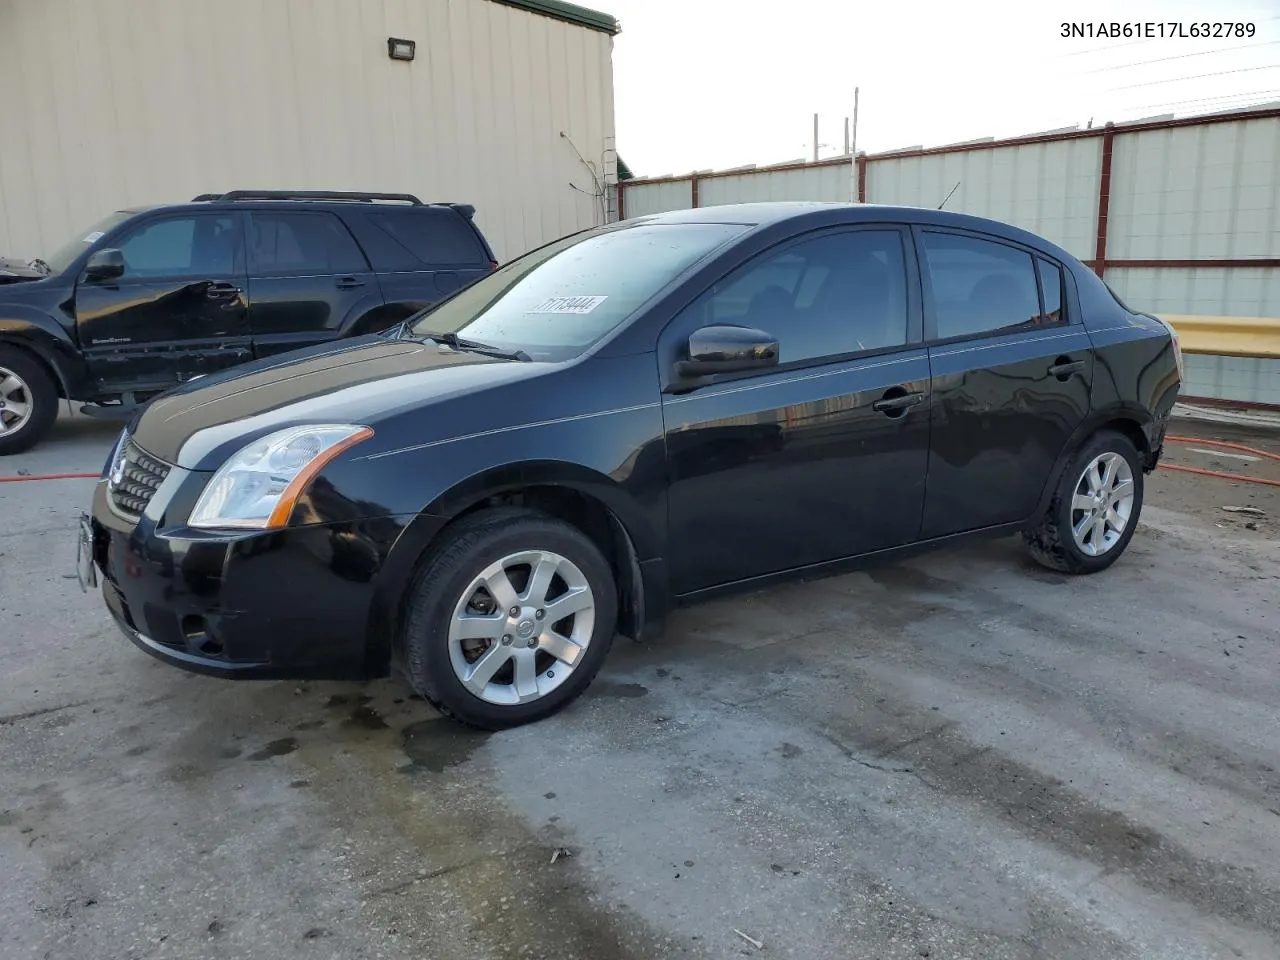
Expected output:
{"points": [[704, 84]]}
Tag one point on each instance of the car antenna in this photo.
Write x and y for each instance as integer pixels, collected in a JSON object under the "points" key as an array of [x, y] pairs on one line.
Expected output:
{"points": [[948, 196]]}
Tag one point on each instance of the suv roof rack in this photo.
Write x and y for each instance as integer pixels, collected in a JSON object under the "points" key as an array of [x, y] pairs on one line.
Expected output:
{"points": [[309, 195]]}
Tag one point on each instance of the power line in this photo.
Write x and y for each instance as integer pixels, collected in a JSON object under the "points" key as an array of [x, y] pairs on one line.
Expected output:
{"points": [[1181, 56], [1202, 76], [1242, 100], [1225, 96]]}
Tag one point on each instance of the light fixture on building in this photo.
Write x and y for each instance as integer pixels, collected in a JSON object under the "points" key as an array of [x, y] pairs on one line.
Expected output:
{"points": [[398, 49]]}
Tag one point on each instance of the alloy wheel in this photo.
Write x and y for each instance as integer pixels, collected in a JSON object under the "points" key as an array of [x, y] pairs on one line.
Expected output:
{"points": [[15, 402], [521, 627], [1102, 504]]}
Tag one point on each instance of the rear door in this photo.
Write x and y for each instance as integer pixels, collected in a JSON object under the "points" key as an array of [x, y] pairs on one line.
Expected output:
{"points": [[822, 457], [422, 253], [1011, 368], [178, 310], [308, 279]]}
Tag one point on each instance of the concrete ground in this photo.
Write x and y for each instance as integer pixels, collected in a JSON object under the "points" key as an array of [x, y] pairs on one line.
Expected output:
{"points": [[960, 756]]}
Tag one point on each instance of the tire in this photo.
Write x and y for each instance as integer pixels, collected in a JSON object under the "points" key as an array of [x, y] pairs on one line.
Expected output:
{"points": [[1055, 544], [442, 630], [24, 380]]}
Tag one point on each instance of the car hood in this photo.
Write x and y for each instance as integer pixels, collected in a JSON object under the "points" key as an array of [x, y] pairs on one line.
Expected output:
{"points": [[362, 381], [13, 270]]}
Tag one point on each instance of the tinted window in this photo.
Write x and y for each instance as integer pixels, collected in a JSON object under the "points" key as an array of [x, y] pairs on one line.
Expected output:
{"points": [[1051, 290], [301, 244], [430, 236], [181, 246], [560, 299], [979, 286], [835, 294]]}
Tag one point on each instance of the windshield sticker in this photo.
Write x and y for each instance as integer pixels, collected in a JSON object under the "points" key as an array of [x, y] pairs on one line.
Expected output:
{"points": [[94, 237], [575, 305]]}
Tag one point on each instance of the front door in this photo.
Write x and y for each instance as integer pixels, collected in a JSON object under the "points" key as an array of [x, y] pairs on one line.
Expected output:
{"points": [[308, 280], [177, 311], [822, 457], [1011, 372]]}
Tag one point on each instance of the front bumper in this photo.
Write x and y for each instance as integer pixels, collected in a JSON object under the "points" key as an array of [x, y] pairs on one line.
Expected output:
{"points": [[284, 604]]}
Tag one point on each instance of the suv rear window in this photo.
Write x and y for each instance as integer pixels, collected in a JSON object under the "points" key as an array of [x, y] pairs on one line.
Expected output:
{"points": [[432, 237]]}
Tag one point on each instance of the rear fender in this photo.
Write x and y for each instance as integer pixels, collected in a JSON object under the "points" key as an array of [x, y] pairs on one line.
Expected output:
{"points": [[1127, 413]]}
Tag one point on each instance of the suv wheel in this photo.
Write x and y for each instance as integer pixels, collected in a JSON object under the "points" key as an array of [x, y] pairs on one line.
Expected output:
{"points": [[1095, 509], [510, 619], [28, 401]]}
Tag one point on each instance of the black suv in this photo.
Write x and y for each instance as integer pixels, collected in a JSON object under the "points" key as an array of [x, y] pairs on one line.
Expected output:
{"points": [[149, 298], [634, 417]]}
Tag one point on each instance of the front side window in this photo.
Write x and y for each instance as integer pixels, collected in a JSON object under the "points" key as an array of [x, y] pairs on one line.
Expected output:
{"points": [[979, 286], [558, 301], [301, 244], [202, 245], [836, 294]]}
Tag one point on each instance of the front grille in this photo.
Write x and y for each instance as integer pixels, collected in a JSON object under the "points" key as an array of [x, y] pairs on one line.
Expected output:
{"points": [[134, 479]]}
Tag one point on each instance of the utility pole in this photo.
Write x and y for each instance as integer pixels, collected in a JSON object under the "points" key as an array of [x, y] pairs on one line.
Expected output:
{"points": [[815, 138], [853, 152]]}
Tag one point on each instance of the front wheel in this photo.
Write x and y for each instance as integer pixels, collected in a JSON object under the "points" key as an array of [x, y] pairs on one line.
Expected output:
{"points": [[1095, 509], [510, 619], [28, 401]]}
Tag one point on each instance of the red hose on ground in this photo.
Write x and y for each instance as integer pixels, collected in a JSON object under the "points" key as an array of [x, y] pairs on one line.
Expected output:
{"points": [[1224, 445], [1219, 473], [52, 476]]}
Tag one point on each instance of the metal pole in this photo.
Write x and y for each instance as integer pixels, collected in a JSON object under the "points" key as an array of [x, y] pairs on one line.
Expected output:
{"points": [[853, 152], [815, 138]]}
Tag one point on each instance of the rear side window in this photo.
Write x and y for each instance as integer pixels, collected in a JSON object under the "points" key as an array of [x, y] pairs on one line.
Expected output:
{"points": [[431, 237], [980, 286], [301, 244], [1051, 291]]}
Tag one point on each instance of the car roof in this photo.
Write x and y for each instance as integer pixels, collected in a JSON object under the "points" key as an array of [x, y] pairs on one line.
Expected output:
{"points": [[769, 213]]}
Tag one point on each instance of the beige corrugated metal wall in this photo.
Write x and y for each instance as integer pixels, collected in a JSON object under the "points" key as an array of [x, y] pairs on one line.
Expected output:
{"points": [[146, 101]]}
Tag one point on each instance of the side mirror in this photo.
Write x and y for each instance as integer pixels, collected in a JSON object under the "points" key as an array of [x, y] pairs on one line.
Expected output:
{"points": [[722, 348], [104, 265]]}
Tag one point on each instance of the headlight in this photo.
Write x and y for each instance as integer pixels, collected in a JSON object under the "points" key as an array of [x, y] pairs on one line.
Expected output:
{"points": [[117, 452], [257, 487]]}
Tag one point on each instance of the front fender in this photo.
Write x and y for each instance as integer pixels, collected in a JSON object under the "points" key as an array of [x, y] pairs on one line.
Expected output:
{"points": [[36, 331]]}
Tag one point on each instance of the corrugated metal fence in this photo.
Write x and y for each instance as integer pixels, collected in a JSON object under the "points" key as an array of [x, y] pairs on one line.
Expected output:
{"points": [[1182, 217]]}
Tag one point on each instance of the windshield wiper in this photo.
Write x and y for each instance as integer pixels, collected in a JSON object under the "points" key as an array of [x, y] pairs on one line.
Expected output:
{"points": [[38, 264], [473, 346]]}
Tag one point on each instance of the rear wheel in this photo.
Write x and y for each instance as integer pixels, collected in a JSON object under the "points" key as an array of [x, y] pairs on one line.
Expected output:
{"points": [[510, 619], [28, 401], [1095, 509]]}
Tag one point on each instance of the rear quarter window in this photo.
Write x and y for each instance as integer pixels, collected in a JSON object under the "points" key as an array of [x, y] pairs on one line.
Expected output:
{"points": [[416, 238]]}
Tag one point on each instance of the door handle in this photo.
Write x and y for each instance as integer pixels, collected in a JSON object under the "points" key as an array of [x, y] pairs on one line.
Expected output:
{"points": [[1064, 367], [348, 283], [897, 404], [221, 290]]}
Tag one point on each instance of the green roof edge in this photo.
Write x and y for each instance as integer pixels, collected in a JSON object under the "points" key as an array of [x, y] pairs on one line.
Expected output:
{"points": [[569, 13]]}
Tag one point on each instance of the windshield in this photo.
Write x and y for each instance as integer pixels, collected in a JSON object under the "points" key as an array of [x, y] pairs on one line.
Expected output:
{"points": [[557, 301], [65, 255]]}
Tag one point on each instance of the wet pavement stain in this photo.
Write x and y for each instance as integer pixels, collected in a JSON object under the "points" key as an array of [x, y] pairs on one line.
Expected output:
{"points": [[309, 725], [364, 718], [435, 745], [627, 691], [276, 748]]}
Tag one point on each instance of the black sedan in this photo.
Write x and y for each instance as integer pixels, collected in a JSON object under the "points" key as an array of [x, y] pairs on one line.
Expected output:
{"points": [[623, 421]]}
